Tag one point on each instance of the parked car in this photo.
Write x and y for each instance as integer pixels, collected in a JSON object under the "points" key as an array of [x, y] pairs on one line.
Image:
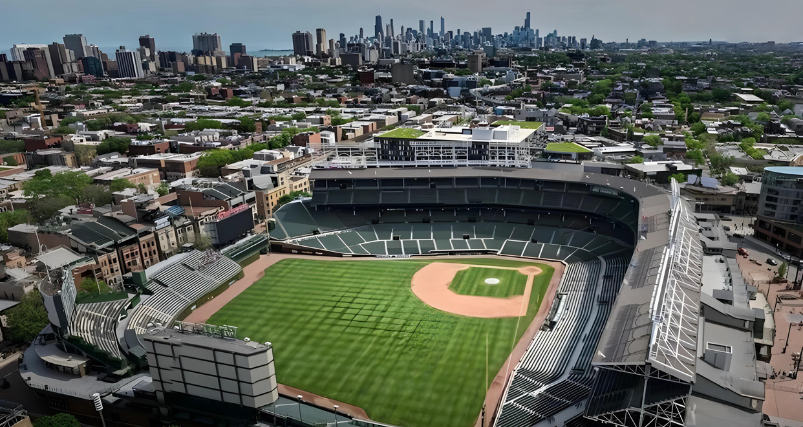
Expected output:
{"points": [[725, 218], [740, 235], [771, 261], [726, 228]]}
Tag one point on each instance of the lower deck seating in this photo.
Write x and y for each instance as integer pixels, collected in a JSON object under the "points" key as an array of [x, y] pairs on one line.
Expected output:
{"points": [[536, 391]]}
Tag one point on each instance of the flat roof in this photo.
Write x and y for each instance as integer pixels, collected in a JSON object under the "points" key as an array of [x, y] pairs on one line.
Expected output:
{"points": [[176, 337], [523, 125], [404, 133], [566, 147], [788, 170], [58, 257]]}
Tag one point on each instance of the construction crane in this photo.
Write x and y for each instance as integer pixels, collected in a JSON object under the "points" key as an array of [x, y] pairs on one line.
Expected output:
{"points": [[38, 103]]}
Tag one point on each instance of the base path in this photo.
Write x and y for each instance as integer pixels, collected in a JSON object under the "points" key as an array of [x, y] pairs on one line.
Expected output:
{"points": [[431, 285]]}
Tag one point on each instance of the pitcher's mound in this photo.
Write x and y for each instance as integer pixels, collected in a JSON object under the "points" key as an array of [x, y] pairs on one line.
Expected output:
{"points": [[431, 285]]}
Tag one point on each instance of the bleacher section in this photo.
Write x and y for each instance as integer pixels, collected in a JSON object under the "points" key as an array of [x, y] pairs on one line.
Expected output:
{"points": [[544, 383], [178, 286], [96, 323]]}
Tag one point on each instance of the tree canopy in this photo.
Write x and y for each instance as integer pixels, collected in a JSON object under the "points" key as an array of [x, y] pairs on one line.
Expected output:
{"points": [[120, 184], [652, 140], [729, 179], [114, 144], [48, 193], [28, 318], [10, 219], [58, 420]]}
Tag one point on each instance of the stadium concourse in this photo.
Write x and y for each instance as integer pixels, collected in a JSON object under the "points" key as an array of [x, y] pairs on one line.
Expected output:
{"points": [[618, 345]]}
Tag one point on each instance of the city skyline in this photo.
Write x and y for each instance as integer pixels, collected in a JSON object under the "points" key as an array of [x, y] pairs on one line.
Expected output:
{"points": [[676, 24]]}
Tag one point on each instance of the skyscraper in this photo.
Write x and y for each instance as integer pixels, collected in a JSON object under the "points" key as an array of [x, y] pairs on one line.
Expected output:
{"points": [[527, 21], [432, 29], [421, 27], [378, 26], [129, 64], [342, 41], [207, 43], [302, 43], [38, 57], [77, 44], [150, 43], [18, 50], [443, 27], [487, 33], [320, 47], [236, 50], [390, 33]]}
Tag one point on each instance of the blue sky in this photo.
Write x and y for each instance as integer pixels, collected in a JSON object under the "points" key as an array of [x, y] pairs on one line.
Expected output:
{"points": [[269, 23]]}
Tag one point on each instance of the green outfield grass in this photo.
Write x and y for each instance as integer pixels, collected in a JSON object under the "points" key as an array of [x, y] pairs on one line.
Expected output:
{"points": [[353, 331], [472, 282]]}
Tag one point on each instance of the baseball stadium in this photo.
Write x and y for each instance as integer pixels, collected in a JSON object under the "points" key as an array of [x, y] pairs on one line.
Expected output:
{"points": [[476, 296], [414, 297]]}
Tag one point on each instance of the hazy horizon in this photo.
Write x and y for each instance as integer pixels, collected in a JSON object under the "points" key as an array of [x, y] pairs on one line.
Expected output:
{"points": [[269, 24]]}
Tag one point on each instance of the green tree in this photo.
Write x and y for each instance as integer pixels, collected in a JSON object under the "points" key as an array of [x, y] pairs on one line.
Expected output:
{"points": [[299, 116], [120, 184], [679, 177], [47, 193], [652, 140], [98, 195], [236, 101], [58, 420], [114, 145], [729, 179], [720, 163], [163, 189], [247, 125], [10, 219], [763, 117], [202, 242], [287, 198], [696, 155], [142, 188], [782, 270], [184, 87], [198, 78], [697, 128], [201, 124], [785, 104], [28, 318], [63, 130], [212, 161], [11, 146], [636, 159]]}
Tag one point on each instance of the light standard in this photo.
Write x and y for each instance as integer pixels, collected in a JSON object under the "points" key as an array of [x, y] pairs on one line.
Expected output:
{"points": [[299, 408], [336, 406], [99, 407]]}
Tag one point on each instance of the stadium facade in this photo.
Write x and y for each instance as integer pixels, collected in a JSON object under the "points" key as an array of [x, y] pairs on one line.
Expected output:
{"points": [[633, 339]]}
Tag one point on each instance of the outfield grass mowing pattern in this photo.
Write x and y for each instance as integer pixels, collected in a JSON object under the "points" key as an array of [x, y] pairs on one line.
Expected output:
{"points": [[353, 331], [472, 282]]}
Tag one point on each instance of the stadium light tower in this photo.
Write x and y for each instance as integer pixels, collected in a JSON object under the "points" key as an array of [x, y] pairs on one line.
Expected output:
{"points": [[336, 406], [98, 407], [299, 408]]}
